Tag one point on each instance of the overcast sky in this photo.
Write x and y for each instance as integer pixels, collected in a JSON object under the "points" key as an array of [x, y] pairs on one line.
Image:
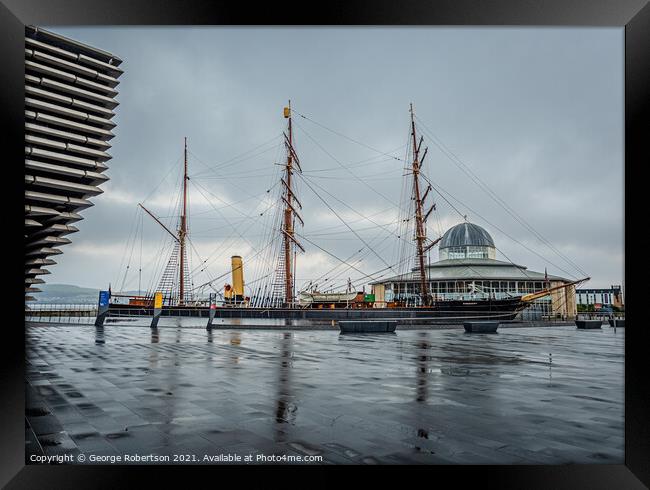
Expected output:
{"points": [[535, 113]]}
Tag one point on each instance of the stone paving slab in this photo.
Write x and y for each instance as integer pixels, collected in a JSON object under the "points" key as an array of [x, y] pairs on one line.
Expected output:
{"points": [[416, 396]]}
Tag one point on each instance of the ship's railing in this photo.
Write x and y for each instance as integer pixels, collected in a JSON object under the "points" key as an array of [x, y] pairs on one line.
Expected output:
{"points": [[84, 313], [441, 316], [139, 312], [60, 312]]}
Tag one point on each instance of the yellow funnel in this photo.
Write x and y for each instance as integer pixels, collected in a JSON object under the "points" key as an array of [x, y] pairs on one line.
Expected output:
{"points": [[237, 276]]}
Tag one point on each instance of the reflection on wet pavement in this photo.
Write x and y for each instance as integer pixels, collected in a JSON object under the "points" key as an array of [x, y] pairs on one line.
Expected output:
{"points": [[526, 395]]}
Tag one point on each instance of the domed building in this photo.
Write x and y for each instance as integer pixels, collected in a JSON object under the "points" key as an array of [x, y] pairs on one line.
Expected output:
{"points": [[468, 269], [466, 241]]}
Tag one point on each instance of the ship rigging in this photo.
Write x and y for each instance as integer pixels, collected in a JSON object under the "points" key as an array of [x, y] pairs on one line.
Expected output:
{"points": [[274, 260]]}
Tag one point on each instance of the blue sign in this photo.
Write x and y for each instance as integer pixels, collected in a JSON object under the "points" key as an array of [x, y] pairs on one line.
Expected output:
{"points": [[103, 298]]}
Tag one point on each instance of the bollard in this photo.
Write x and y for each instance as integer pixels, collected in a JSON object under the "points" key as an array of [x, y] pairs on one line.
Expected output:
{"points": [[588, 324], [481, 327], [213, 310], [367, 326], [157, 309], [102, 308]]}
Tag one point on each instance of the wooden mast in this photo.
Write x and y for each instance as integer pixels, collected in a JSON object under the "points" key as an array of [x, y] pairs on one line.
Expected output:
{"points": [[182, 232], [290, 214], [420, 227], [179, 236], [288, 221]]}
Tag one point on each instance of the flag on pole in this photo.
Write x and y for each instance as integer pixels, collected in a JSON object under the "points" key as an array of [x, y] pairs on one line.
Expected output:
{"points": [[546, 277]]}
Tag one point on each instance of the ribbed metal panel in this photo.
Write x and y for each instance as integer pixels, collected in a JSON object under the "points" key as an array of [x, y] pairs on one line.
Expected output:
{"points": [[58, 86], [70, 91], [40, 211], [46, 142], [66, 135], [69, 113], [68, 124], [40, 262], [56, 200], [94, 178], [466, 234], [58, 229], [43, 252], [37, 272]]}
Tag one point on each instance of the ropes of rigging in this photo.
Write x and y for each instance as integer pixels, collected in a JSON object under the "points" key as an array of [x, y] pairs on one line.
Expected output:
{"points": [[126, 244], [327, 276], [335, 257], [343, 221], [331, 281], [198, 186], [342, 165], [347, 137], [439, 188], [238, 158], [363, 217], [472, 175]]}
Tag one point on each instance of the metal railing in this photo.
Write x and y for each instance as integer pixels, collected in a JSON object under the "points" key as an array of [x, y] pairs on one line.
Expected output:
{"points": [[60, 312], [84, 313]]}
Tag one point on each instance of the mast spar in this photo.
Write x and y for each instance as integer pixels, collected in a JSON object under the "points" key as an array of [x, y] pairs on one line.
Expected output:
{"points": [[420, 224]]}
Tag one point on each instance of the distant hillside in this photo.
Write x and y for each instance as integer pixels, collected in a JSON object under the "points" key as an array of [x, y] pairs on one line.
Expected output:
{"points": [[67, 293]]}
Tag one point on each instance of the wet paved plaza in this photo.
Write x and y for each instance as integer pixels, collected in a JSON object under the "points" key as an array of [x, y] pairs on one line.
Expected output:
{"points": [[523, 396]]}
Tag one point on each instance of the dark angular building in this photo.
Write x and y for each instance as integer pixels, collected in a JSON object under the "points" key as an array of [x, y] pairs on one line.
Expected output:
{"points": [[69, 103]]}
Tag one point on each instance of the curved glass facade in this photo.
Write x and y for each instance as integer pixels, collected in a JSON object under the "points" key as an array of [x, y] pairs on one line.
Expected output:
{"points": [[467, 252], [409, 292]]}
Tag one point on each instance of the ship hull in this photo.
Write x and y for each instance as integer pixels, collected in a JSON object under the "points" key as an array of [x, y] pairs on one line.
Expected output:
{"points": [[447, 311]]}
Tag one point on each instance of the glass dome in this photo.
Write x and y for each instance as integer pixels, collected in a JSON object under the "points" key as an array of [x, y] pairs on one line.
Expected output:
{"points": [[466, 241]]}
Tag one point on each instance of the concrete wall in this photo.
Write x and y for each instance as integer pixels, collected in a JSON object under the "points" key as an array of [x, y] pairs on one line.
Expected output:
{"points": [[379, 290], [69, 101]]}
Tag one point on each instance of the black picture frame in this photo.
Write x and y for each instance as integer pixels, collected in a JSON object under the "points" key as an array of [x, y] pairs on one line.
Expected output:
{"points": [[632, 15]]}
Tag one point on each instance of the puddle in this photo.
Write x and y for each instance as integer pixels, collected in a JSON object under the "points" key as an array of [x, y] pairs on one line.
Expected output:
{"points": [[455, 371]]}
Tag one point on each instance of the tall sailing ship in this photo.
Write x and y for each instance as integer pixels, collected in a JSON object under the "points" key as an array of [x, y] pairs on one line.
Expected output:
{"points": [[175, 281], [278, 298]]}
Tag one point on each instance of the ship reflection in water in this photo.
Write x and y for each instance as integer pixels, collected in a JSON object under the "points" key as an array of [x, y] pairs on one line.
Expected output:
{"points": [[286, 409], [422, 357], [434, 396]]}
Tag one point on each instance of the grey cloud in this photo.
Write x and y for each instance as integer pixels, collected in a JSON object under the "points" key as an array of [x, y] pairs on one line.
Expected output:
{"points": [[536, 113]]}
